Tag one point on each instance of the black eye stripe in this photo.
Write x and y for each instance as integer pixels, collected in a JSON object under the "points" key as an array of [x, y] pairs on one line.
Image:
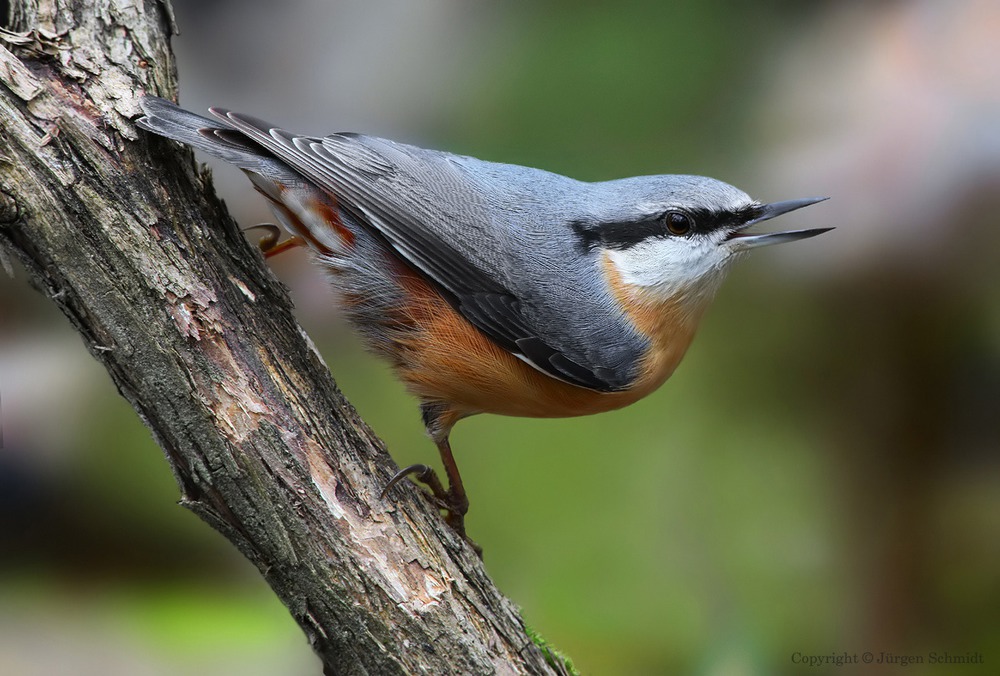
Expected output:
{"points": [[628, 234], [617, 235], [707, 221], [625, 235]]}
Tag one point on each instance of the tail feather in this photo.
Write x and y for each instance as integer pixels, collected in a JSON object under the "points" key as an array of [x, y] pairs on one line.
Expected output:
{"points": [[300, 206], [214, 137]]}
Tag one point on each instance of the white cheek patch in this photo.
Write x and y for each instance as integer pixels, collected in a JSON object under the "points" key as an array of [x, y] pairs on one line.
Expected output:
{"points": [[668, 266]]}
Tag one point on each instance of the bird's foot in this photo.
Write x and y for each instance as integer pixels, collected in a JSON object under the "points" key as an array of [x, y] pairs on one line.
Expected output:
{"points": [[454, 503], [269, 244]]}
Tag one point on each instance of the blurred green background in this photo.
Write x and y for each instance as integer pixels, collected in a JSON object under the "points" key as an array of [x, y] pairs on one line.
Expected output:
{"points": [[820, 475]]}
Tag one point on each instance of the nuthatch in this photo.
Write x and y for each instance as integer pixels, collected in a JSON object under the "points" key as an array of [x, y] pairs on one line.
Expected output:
{"points": [[494, 288]]}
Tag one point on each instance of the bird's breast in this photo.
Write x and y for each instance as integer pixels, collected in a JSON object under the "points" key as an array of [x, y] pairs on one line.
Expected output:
{"points": [[445, 358]]}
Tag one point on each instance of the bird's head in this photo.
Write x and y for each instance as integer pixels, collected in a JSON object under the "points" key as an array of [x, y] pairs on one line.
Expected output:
{"points": [[673, 237]]}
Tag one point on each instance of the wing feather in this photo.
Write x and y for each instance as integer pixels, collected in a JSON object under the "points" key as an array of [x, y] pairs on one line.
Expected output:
{"points": [[362, 178]]}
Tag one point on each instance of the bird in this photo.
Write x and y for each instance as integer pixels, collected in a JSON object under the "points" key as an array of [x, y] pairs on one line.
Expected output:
{"points": [[489, 287]]}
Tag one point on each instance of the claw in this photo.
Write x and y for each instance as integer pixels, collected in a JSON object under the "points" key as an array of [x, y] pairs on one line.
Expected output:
{"points": [[269, 244], [270, 239], [454, 502], [424, 474]]}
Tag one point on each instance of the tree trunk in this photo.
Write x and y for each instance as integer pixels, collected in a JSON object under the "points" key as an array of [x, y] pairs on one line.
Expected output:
{"points": [[124, 233]]}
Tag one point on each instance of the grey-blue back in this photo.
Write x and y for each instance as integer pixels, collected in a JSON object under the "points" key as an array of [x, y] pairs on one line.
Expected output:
{"points": [[500, 241]]}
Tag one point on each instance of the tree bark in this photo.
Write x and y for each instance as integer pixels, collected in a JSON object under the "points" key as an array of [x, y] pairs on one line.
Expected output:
{"points": [[124, 233]]}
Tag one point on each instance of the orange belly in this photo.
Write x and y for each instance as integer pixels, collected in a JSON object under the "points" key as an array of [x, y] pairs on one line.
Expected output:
{"points": [[448, 360]]}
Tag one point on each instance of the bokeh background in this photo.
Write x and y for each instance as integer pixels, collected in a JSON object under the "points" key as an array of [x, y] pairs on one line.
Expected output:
{"points": [[820, 475]]}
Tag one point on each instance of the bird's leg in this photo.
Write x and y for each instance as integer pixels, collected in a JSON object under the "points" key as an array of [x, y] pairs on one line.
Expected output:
{"points": [[425, 475], [457, 502], [282, 247], [453, 500], [269, 245]]}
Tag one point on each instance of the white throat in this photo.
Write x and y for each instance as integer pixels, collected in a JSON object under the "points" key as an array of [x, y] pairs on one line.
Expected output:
{"points": [[673, 267]]}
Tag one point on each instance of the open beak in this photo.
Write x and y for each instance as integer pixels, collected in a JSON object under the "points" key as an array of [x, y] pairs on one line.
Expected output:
{"points": [[742, 241]]}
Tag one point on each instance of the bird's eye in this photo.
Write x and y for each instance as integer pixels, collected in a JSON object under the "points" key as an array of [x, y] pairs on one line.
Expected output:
{"points": [[678, 223]]}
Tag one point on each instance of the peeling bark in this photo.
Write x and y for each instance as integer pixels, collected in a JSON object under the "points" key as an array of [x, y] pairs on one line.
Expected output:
{"points": [[124, 233]]}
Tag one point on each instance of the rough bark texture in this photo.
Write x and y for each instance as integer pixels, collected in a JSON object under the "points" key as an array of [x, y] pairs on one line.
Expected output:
{"points": [[124, 233]]}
